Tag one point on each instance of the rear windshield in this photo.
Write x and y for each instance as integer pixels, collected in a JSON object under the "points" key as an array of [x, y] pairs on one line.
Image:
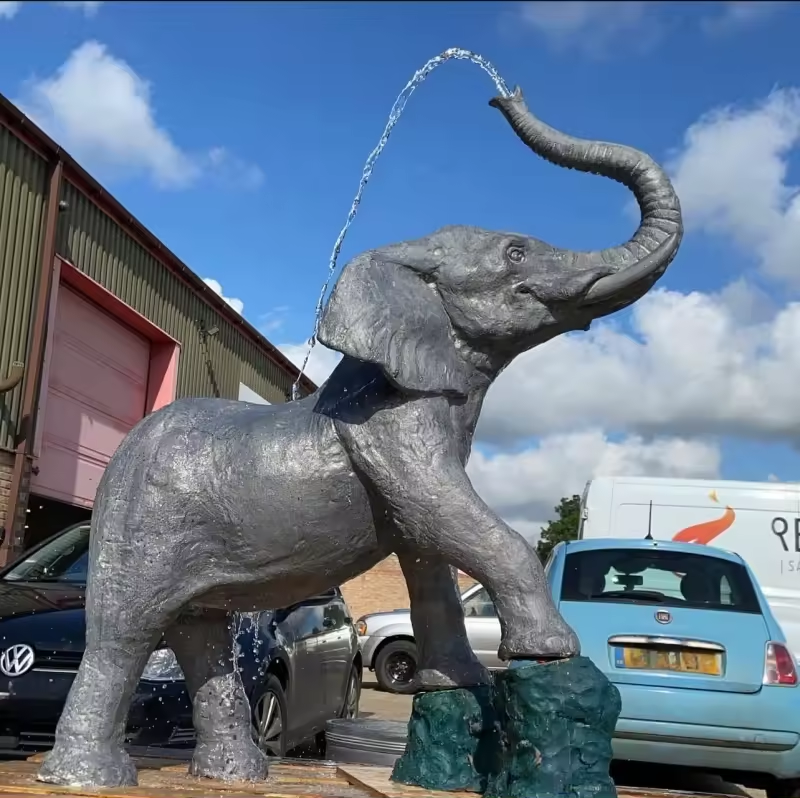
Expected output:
{"points": [[660, 577]]}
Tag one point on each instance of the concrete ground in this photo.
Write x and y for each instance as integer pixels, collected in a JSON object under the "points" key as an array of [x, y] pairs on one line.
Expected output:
{"points": [[387, 706]]}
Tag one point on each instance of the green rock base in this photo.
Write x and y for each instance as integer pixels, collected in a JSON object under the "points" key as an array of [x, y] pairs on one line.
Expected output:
{"points": [[453, 741], [558, 719]]}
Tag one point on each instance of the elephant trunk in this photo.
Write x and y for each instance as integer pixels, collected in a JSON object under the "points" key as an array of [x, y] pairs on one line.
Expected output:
{"points": [[643, 259]]}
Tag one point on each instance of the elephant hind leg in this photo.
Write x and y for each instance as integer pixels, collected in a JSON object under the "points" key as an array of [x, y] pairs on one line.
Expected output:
{"points": [[90, 736], [225, 749]]}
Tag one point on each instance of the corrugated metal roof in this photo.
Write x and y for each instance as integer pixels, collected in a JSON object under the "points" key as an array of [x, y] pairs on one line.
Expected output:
{"points": [[14, 119]]}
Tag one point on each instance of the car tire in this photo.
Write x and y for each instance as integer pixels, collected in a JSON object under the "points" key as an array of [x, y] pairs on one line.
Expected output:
{"points": [[784, 788], [396, 666], [352, 696], [270, 721]]}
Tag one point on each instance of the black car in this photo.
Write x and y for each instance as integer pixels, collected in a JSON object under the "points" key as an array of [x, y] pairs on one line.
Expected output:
{"points": [[301, 665]]}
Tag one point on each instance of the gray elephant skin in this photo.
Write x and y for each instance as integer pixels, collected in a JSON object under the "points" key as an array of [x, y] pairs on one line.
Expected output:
{"points": [[210, 507]]}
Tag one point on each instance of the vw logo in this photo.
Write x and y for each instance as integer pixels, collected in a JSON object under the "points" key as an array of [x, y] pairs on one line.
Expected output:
{"points": [[662, 616], [16, 660]]}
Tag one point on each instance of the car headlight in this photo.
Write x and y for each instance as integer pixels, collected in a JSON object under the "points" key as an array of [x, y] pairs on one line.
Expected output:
{"points": [[163, 667], [361, 628]]}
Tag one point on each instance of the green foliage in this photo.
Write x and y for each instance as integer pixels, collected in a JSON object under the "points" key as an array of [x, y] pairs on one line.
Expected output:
{"points": [[565, 527]]}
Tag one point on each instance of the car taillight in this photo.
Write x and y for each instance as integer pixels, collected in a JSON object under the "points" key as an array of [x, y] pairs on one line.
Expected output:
{"points": [[779, 666]]}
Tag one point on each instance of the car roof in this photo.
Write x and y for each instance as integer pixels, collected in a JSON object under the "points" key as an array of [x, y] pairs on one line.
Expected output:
{"points": [[595, 544]]}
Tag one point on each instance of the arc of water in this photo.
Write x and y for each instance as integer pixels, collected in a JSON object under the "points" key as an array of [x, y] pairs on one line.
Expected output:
{"points": [[457, 53]]}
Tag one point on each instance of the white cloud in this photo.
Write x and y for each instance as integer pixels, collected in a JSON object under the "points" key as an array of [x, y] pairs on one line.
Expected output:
{"points": [[214, 285], [233, 170], [9, 8], [731, 176], [524, 487], [693, 365], [89, 7], [99, 109], [321, 363], [742, 13], [273, 320], [584, 24], [593, 26]]}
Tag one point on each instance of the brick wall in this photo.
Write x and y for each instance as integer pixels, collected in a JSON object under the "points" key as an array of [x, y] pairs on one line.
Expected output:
{"points": [[383, 588]]}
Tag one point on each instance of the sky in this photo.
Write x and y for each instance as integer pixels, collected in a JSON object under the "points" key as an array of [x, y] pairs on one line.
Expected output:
{"points": [[237, 132]]}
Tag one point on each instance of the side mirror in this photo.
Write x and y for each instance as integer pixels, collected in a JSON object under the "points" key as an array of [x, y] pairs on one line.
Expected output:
{"points": [[279, 616]]}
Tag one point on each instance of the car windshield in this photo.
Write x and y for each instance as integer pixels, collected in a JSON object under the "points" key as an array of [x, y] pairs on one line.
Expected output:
{"points": [[656, 576], [64, 559]]}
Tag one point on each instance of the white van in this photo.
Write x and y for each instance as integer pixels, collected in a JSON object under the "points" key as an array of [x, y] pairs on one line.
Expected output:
{"points": [[760, 521]]}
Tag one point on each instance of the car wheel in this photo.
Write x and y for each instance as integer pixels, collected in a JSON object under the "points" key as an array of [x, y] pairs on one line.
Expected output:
{"points": [[352, 697], [269, 718], [396, 665], [784, 788]]}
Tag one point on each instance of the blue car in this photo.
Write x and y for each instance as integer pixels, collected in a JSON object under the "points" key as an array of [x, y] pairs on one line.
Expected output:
{"points": [[686, 635]]}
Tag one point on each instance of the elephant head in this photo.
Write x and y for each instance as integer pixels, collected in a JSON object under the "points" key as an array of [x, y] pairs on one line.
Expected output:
{"points": [[435, 312]]}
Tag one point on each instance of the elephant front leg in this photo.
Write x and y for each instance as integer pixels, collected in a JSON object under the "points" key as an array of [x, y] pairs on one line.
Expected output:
{"points": [[453, 738], [557, 711], [438, 514]]}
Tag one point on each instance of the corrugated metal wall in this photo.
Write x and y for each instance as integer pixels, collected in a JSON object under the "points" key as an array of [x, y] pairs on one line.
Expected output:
{"points": [[94, 243], [23, 188]]}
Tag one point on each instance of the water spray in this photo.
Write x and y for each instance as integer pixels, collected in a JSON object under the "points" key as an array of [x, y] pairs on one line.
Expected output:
{"points": [[419, 76]]}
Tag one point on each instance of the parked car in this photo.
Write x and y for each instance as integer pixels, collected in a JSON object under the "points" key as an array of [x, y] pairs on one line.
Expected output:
{"points": [[387, 640], [684, 631], [757, 520], [300, 665]]}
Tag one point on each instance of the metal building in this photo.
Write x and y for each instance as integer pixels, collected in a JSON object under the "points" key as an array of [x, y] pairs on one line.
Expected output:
{"points": [[100, 324]]}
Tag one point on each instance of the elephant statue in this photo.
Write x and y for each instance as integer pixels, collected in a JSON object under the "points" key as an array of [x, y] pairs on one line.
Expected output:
{"points": [[211, 507]]}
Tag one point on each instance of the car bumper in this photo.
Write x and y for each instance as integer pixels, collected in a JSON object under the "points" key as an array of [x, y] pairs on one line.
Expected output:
{"points": [[30, 706], [369, 645], [672, 727]]}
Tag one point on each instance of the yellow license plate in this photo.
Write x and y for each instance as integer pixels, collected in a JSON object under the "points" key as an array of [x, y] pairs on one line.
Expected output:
{"points": [[677, 660]]}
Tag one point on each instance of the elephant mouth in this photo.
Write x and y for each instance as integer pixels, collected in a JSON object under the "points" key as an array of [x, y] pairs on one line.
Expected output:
{"points": [[572, 291], [618, 284]]}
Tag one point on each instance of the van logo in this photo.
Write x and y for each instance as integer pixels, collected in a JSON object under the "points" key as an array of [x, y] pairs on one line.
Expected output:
{"points": [[662, 616], [706, 532]]}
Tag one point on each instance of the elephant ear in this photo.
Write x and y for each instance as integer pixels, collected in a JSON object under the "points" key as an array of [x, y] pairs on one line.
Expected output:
{"points": [[384, 313]]}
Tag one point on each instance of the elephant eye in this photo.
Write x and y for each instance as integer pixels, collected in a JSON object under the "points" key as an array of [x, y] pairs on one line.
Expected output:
{"points": [[515, 254]]}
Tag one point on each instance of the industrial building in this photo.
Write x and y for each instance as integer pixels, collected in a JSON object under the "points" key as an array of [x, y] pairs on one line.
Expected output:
{"points": [[100, 324]]}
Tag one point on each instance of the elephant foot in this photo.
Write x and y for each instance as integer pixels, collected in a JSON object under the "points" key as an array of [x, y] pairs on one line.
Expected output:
{"points": [[229, 760], [451, 673], [453, 741], [558, 721], [553, 638], [82, 765]]}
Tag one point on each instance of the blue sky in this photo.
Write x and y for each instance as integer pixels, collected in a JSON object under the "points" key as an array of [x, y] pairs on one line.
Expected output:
{"points": [[237, 132]]}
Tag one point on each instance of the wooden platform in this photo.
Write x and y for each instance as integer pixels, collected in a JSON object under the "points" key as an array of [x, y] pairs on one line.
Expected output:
{"points": [[159, 778], [376, 781]]}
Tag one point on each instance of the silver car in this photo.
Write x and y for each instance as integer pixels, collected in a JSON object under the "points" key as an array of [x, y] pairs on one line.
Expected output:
{"points": [[388, 648]]}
